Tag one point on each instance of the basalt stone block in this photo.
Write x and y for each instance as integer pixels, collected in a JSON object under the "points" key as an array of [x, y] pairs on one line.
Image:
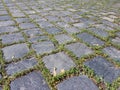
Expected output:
{"points": [[77, 83], [15, 51], [60, 61], [31, 81], [103, 68], [20, 66], [87, 38], [12, 38], [43, 47], [79, 49]]}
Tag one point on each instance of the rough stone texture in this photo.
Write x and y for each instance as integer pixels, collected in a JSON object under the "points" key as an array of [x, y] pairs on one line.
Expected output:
{"points": [[7, 29], [112, 52], [77, 83], [116, 40], [79, 49], [80, 25], [6, 17], [72, 30], [103, 68], [12, 38], [90, 39], [31, 81], [53, 30], [62, 38], [27, 25], [15, 51], [22, 20], [6, 23], [20, 66], [59, 61], [43, 47], [45, 24]]}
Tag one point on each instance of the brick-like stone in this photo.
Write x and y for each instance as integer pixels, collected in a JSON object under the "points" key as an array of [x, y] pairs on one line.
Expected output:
{"points": [[6, 23], [103, 68], [112, 52], [5, 18], [12, 38], [60, 61], [20, 66], [7, 29], [80, 25], [72, 30], [53, 30], [22, 20], [31, 81], [79, 49], [45, 24], [27, 25], [43, 47], [77, 83], [62, 38], [15, 51], [87, 38]]}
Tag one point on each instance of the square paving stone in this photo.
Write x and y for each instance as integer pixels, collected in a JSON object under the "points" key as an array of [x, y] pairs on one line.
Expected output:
{"points": [[27, 25], [6, 23], [20, 66], [22, 20], [80, 25], [59, 61], [116, 40], [43, 47], [18, 14], [112, 52], [79, 49], [15, 51], [87, 38], [44, 24], [35, 39], [5, 18], [12, 38], [53, 30], [72, 30], [62, 38], [99, 32], [103, 68], [33, 32], [31, 81], [7, 29], [77, 83]]}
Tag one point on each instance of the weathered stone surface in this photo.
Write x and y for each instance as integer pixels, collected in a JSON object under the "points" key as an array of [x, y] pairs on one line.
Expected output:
{"points": [[12, 38], [60, 61], [45, 24], [116, 40], [80, 25], [15, 51], [31, 81], [7, 29], [62, 38], [53, 30], [103, 68], [77, 83], [20, 66], [6, 23], [43, 47], [72, 30], [79, 49], [113, 53], [22, 20], [87, 38], [27, 25], [5, 17]]}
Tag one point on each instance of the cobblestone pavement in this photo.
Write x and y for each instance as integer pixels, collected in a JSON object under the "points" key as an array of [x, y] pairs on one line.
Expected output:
{"points": [[59, 45]]}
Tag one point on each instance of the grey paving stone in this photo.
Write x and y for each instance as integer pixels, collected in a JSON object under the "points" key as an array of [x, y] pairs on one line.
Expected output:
{"points": [[12, 38], [20, 66], [62, 38], [80, 25], [87, 38], [116, 40], [59, 61], [53, 30], [52, 18], [5, 17], [33, 32], [31, 81], [35, 39], [43, 47], [99, 32], [27, 25], [79, 49], [103, 68], [77, 83], [118, 34], [3, 12], [6, 23], [112, 52], [7, 29], [72, 30], [22, 20], [44, 24], [0, 88], [63, 24], [15, 51]]}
